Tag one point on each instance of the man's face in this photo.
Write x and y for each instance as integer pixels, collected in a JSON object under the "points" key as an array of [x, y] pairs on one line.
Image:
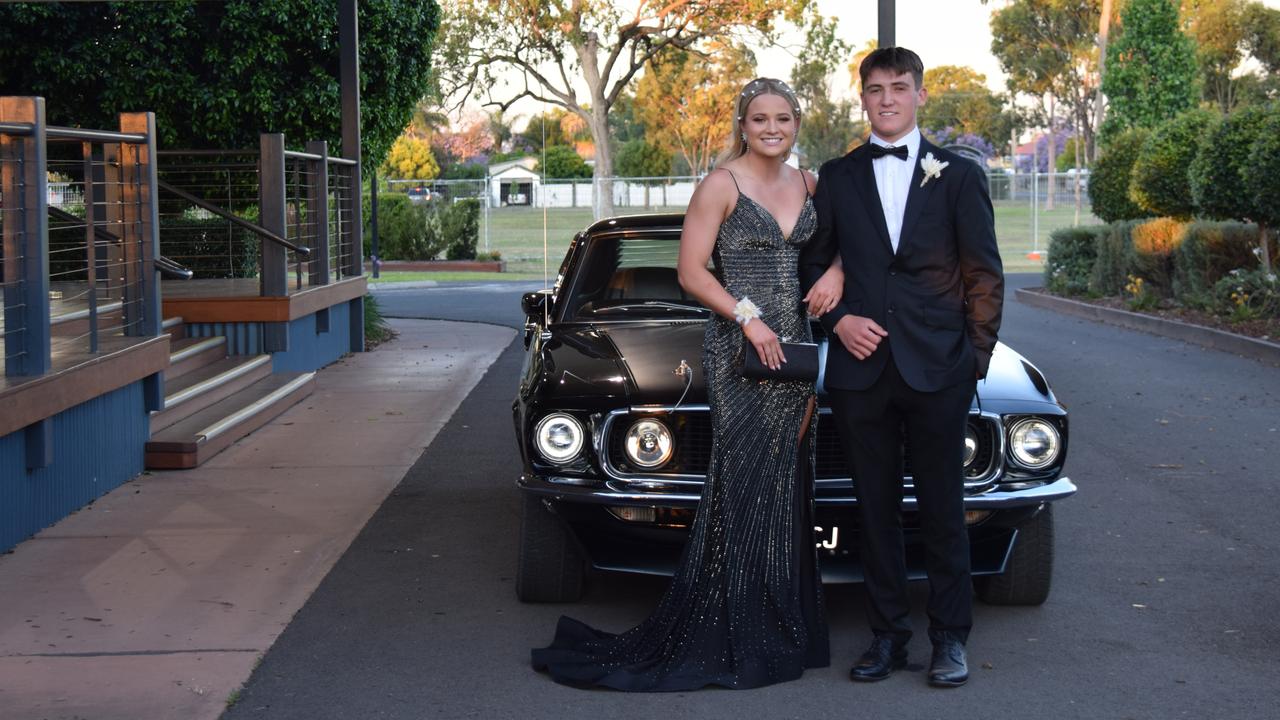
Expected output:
{"points": [[890, 102]]}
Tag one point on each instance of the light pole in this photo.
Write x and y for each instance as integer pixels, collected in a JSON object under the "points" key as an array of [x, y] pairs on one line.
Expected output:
{"points": [[887, 26]]}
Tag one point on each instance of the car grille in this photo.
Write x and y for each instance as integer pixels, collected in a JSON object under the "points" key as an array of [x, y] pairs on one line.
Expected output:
{"points": [[691, 430]]}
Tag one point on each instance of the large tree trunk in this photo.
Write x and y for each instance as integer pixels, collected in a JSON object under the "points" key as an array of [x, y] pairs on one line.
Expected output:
{"points": [[602, 176], [1104, 26]]}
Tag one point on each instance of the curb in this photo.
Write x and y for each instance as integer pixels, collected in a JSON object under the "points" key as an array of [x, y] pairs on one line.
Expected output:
{"points": [[446, 265], [1260, 350]]}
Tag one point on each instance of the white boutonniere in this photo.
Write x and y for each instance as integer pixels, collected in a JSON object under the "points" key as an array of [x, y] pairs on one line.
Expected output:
{"points": [[745, 311], [932, 168]]}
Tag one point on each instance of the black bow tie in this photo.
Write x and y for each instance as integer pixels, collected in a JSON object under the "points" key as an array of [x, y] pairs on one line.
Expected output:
{"points": [[879, 151]]}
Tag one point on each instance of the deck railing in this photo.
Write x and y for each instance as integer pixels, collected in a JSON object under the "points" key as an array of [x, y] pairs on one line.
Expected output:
{"points": [[80, 267]]}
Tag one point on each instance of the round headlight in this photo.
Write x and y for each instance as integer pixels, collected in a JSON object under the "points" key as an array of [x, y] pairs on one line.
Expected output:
{"points": [[558, 437], [1034, 443], [970, 445], [648, 444]]}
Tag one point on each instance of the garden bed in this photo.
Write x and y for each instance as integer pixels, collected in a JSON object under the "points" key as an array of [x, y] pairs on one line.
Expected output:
{"points": [[436, 265]]}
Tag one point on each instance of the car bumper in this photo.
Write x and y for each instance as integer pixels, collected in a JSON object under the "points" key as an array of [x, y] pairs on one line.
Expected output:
{"points": [[570, 490]]}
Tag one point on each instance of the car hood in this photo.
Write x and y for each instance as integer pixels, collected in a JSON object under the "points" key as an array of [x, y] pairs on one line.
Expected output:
{"points": [[637, 361]]}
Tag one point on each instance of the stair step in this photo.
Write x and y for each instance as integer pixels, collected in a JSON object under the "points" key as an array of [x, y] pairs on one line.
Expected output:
{"points": [[189, 354], [204, 434], [175, 327], [207, 385]]}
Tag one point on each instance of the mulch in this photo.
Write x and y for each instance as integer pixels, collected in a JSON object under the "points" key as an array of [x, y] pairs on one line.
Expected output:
{"points": [[1261, 329]]}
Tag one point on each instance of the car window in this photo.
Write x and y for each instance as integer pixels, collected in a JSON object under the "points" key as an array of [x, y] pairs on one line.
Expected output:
{"points": [[630, 277]]}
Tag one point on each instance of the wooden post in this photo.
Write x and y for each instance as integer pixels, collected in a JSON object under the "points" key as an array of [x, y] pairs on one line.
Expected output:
{"points": [[349, 78], [273, 266], [142, 217]]}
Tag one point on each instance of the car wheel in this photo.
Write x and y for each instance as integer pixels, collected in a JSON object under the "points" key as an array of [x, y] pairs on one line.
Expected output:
{"points": [[1027, 576], [551, 567]]}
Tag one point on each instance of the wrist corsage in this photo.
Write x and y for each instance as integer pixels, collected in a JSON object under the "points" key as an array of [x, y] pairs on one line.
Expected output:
{"points": [[745, 310]]}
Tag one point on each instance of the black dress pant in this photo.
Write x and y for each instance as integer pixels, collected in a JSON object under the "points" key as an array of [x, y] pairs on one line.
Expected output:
{"points": [[871, 424]]}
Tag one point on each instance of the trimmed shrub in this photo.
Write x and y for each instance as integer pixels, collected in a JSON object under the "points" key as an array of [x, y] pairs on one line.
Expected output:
{"points": [[1262, 181], [1109, 179], [1159, 182], [1217, 182], [1209, 252], [1072, 253], [1115, 259], [406, 230], [1154, 242], [460, 228]]}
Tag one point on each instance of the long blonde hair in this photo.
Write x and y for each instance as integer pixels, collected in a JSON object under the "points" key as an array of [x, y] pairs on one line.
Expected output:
{"points": [[736, 146]]}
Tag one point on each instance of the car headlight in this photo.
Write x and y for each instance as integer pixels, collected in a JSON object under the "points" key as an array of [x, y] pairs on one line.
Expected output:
{"points": [[559, 437], [1034, 443], [970, 445], [648, 444]]}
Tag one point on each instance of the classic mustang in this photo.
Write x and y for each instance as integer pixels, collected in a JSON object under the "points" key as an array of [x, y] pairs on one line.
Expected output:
{"points": [[612, 423]]}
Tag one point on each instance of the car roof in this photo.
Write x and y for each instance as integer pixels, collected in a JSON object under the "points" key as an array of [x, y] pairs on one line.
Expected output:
{"points": [[665, 221]]}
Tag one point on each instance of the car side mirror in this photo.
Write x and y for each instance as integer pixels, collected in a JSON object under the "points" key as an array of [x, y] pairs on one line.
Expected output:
{"points": [[534, 303]]}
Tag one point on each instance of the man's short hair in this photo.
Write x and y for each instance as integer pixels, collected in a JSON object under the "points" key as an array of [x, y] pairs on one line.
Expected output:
{"points": [[897, 60]]}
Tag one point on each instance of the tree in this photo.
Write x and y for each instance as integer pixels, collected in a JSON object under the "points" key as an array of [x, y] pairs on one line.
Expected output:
{"points": [[562, 162], [1151, 67], [1112, 171], [827, 125], [1047, 48], [960, 99], [1159, 183], [557, 46], [1220, 169], [1262, 181], [410, 158], [218, 74], [687, 100], [470, 142]]}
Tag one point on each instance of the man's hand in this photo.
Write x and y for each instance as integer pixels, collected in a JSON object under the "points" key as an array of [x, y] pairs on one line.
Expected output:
{"points": [[859, 335]]}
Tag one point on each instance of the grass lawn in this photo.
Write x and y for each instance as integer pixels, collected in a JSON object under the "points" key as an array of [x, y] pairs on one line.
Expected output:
{"points": [[517, 232]]}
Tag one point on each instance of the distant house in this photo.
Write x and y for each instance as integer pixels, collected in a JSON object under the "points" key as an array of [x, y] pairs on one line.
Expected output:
{"points": [[514, 182]]}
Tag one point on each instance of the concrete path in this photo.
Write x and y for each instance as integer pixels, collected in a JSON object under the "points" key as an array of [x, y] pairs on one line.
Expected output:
{"points": [[158, 600]]}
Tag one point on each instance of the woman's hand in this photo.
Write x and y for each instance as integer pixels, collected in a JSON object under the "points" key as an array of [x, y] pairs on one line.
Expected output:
{"points": [[825, 294], [765, 343]]}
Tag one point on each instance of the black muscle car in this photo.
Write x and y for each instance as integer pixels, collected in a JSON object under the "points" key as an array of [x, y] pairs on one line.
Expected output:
{"points": [[612, 424]]}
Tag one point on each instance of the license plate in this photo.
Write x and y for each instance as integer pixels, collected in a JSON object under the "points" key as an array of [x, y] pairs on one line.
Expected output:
{"points": [[827, 538]]}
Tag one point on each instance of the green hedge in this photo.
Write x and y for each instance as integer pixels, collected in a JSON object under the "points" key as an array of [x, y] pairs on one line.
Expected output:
{"points": [[1159, 182], [1109, 179], [1208, 253], [423, 230], [1072, 254], [460, 223], [1115, 259]]}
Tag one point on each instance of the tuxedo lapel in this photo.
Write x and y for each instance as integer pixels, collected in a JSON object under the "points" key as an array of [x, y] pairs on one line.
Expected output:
{"points": [[864, 181], [916, 196]]}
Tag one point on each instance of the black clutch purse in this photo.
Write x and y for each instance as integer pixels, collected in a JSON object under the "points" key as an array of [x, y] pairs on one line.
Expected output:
{"points": [[801, 364]]}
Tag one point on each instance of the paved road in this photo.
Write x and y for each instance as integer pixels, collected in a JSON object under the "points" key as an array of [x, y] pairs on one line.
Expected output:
{"points": [[1165, 590]]}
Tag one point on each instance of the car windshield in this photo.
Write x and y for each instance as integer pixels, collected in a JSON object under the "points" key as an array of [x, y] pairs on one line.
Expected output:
{"points": [[631, 277]]}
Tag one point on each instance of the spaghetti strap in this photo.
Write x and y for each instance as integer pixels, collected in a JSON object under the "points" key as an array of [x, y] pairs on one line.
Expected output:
{"points": [[805, 179], [734, 178]]}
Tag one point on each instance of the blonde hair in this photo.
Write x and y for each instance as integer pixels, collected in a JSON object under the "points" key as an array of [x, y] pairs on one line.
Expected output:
{"points": [[736, 146]]}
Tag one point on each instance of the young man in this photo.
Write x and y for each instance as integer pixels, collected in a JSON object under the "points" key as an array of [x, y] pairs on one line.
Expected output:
{"points": [[911, 336]]}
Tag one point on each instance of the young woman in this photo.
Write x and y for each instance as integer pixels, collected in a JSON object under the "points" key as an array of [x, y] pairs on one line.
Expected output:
{"points": [[744, 608]]}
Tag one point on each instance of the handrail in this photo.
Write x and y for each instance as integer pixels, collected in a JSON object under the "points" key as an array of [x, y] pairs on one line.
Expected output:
{"points": [[298, 155], [70, 133], [164, 264], [233, 219]]}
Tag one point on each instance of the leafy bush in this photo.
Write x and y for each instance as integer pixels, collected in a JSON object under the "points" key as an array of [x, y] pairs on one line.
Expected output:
{"points": [[1217, 171], [1248, 295], [1109, 179], [460, 229], [1159, 183], [211, 247], [1154, 242], [1072, 253], [1262, 180], [406, 230], [1209, 251], [563, 161], [1115, 259]]}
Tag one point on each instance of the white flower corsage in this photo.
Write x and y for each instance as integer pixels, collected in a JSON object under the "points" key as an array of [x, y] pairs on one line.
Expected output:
{"points": [[745, 310], [932, 168]]}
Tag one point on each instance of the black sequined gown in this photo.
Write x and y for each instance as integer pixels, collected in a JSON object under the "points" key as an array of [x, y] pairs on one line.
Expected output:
{"points": [[744, 608]]}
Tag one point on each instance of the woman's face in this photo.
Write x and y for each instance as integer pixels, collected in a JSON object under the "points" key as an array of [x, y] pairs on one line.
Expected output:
{"points": [[770, 125]]}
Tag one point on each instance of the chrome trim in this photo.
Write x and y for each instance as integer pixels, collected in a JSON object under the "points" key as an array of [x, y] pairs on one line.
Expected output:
{"points": [[196, 348], [236, 372], [82, 314], [252, 409], [582, 428], [993, 475], [990, 500]]}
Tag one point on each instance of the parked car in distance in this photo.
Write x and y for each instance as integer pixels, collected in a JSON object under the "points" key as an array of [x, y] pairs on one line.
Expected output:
{"points": [[420, 193], [614, 432]]}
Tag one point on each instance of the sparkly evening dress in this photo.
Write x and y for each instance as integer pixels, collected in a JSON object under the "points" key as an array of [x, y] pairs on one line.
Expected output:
{"points": [[744, 608]]}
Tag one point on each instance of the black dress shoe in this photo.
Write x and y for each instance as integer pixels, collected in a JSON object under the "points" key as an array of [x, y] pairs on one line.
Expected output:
{"points": [[879, 661], [949, 667]]}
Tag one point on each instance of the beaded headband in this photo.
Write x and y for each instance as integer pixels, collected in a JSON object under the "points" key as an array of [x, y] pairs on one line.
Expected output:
{"points": [[760, 86]]}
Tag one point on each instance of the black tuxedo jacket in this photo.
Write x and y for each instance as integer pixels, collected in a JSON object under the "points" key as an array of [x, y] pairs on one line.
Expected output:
{"points": [[939, 296]]}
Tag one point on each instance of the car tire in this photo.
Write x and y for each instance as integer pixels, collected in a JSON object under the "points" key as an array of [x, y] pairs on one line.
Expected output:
{"points": [[1029, 572], [550, 567]]}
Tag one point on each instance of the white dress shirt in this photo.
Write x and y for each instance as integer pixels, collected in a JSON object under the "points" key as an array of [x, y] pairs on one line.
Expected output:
{"points": [[893, 181]]}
